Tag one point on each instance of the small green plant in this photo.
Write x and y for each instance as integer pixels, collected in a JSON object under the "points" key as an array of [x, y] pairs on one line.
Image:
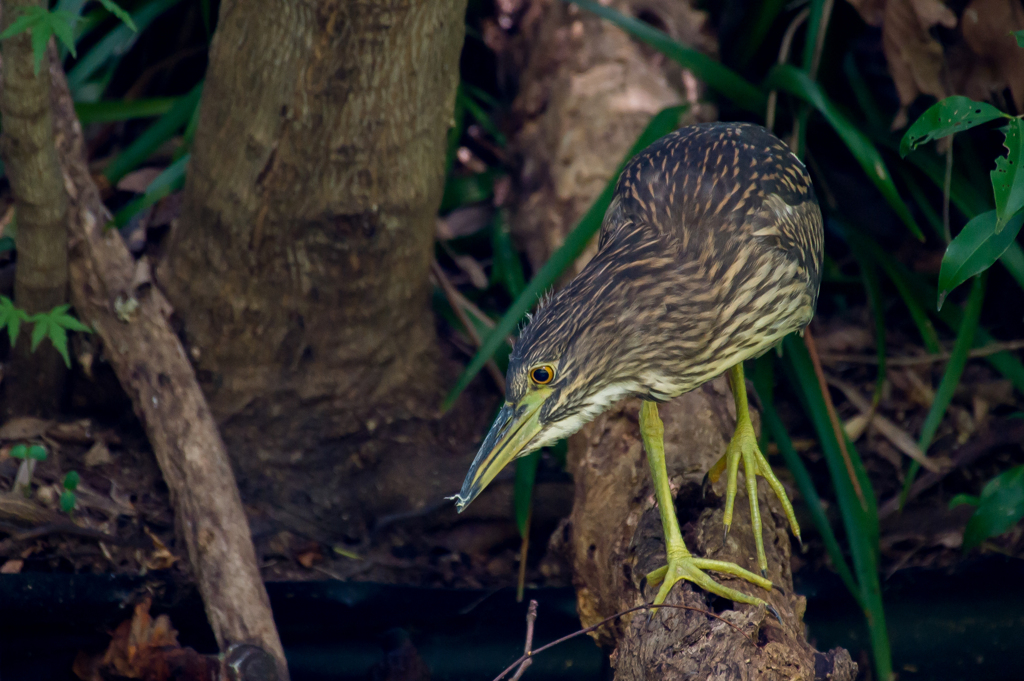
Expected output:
{"points": [[999, 507], [54, 325], [42, 24], [67, 497], [29, 455], [987, 236]]}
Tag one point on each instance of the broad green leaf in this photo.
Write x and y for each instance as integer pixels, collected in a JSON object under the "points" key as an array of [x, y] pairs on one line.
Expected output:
{"points": [[67, 501], [19, 452], [1019, 35], [952, 114], [37, 452], [63, 25], [974, 250], [716, 75], [1000, 506], [797, 82], [1007, 178]]}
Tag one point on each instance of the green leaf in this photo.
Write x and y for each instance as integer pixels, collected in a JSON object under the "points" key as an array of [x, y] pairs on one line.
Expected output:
{"points": [[974, 250], [716, 75], [1019, 35], [11, 317], [19, 452], [116, 10], [796, 82], [962, 500], [71, 481], [1007, 178], [951, 115], [660, 125], [37, 452], [63, 25], [67, 501], [1000, 507], [29, 17], [40, 322]]}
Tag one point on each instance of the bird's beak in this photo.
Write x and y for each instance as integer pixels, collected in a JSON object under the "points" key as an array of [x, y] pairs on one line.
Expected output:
{"points": [[509, 438]]}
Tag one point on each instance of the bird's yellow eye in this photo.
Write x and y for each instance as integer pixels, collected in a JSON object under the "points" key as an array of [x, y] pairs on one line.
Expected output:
{"points": [[542, 375]]}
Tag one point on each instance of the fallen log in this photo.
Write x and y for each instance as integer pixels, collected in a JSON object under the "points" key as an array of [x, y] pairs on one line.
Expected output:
{"points": [[113, 294]]}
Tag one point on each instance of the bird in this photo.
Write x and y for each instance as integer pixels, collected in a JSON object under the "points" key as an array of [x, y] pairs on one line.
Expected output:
{"points": [[709, 253]]}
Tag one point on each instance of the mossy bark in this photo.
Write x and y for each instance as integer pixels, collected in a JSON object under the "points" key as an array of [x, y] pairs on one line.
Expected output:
{"points": [[300, 265], [34, 381]]}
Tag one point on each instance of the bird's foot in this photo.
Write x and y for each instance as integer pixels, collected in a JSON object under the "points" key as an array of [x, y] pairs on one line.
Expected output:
{"points": [[744, 447], [682, 565]]}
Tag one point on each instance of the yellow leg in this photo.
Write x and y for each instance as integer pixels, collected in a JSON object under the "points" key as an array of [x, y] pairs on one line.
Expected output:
{"points": [[682, 565], [744, 446]]}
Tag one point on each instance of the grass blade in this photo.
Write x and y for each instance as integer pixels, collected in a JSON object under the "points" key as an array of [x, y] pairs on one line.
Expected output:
{"points": [[716, 75], [115, 44], [796, 82], [951, 378], [663, 123], [861, 525], [158, 133], [124, 110], [764, 381]]}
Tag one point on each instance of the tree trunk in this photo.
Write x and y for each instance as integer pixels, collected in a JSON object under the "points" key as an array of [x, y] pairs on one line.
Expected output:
{"points": [[300, 265], [587, 93], [35, 380]]}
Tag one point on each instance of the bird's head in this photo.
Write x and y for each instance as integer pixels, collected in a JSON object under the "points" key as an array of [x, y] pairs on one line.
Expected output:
{"points": [[567, 367]]}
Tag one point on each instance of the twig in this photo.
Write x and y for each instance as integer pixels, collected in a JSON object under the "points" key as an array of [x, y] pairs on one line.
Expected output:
{"points": [[897, 436], [784, 50], [531, 617], [606, 620], [1009, 432], [452, 294], [985, 351], [833, 417]]}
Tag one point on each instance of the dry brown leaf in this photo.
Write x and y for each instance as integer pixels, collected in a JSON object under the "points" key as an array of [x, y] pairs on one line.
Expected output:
{"points": [[986, 27], [915, 57], [161, 558], [12, 567], [137, 181], [98, 455]]}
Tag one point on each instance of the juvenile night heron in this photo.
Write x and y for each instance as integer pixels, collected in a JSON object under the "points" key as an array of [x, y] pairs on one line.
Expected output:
{"points": [[709, 254]]}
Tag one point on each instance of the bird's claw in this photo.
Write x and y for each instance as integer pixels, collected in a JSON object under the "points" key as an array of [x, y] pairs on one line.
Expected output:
{"points": [[682, 566], [743, 446]]}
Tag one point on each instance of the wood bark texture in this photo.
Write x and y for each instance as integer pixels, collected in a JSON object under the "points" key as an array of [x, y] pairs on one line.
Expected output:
{"points": [[587, 93], [34, 381], [300, 264], [114, 295]]}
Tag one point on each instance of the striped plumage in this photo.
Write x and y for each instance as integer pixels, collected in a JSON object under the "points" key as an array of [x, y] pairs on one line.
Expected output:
{"points": [[709, 254]]}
